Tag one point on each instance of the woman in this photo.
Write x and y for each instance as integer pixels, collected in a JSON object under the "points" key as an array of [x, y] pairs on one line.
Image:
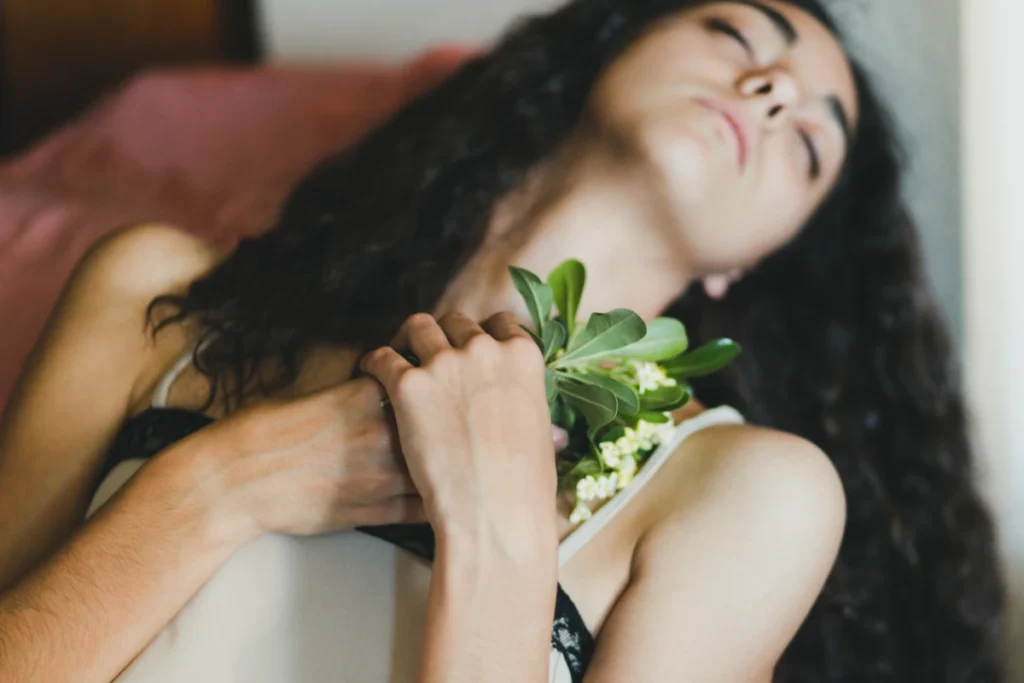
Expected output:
{"points": [[720, 159]]}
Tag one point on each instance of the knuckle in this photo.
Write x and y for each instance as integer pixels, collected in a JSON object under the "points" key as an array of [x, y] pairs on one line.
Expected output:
{"points": [[419, 321], [482, 344], [525, 348], [453, 316], [412, 383], [368, 389]]}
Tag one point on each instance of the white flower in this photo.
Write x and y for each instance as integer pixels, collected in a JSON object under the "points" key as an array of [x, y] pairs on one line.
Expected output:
{"points": [[610, 453], [651, 434], [626, 472], [664, 432], [581, 514], [608, 484], [587, 489], [650, 376]]}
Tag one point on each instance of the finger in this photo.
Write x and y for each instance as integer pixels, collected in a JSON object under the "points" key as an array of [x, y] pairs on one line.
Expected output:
{"points": [[385, 365], [361, 396], [460, 328], [396, 510], [423, 336], [505, 326]]}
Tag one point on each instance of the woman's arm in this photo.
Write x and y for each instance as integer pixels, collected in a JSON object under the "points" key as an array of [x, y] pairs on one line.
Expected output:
{"points": [[86, 613], [475, 429], [721, 584], [312, 465], [489, 616]]}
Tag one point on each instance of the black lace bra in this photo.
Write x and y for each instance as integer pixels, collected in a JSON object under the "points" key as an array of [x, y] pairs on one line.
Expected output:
{"points": [[156, 428]]}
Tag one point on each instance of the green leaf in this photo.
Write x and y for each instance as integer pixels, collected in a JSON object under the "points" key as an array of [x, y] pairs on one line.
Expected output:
{"points": [[663, 399], [597, 405], [604, 333], [654, 418], [553, 336], [550, 387], [537, 295], [570, 415], [627, 399], [536, 337], [709, 358], [613, 434], [567, 282], [585, 467], [665, 338]]}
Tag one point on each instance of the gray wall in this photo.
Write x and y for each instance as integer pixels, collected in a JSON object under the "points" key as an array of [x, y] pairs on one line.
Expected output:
{"points": [[912, 48]]}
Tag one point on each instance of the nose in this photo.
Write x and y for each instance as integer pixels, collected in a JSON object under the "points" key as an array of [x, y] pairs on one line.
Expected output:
{"points": [[772, 93]]}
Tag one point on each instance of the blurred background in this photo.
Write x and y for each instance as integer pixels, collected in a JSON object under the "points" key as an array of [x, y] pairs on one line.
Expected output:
{"points": [[942, 64]]}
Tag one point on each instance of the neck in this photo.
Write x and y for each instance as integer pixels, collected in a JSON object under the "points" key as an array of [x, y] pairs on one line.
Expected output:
{"points": [[590, 205]]}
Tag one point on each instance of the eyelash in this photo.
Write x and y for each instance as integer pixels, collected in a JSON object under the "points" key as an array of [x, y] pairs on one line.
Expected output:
{"points": [[718, 25], [812, 152]]}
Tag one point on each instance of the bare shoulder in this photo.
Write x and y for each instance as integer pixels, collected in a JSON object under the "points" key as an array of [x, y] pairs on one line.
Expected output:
{"points": [[777, 478], [146, 260], [96, 335]]}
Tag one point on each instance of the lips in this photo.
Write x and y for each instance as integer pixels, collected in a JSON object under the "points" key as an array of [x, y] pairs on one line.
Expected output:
{"points": [[735, 127]]}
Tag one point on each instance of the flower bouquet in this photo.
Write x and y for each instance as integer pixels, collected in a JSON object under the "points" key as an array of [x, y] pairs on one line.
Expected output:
{"points": [[612, 382]]}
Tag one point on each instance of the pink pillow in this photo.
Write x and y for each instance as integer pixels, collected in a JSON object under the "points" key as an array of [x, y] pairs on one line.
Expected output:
{"points": [[214, 151]]}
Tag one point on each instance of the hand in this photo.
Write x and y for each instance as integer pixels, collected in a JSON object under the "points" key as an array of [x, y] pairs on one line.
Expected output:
{"points": [[474, 425], [317, 464]]}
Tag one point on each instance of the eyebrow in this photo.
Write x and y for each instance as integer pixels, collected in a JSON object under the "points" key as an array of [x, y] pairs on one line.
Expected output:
{"points": [[783, 25]]}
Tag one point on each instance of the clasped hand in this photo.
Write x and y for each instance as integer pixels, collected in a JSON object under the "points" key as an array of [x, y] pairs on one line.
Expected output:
{"points": [[474, 427]]}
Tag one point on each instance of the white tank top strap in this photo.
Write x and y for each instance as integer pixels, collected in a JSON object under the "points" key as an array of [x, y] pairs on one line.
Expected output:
{"points": [[163, 388], [578, 538]]}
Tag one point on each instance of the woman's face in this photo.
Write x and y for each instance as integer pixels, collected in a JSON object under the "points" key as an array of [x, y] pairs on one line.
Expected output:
{"points": [[744, 111]]}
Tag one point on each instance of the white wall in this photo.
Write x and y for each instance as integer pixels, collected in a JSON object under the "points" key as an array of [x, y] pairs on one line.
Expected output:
{"points": [[314, 30], [993, 144], [911, 48]]}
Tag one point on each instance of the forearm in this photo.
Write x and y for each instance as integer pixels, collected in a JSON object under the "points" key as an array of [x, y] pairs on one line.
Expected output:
{"points": [[488, 619], [89, 610]]}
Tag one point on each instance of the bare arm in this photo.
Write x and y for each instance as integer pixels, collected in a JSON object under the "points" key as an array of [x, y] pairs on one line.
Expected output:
{"points": [[75, 391], [104, 595], [475, 429], [488, 618], [81, 612], [720, 586]]}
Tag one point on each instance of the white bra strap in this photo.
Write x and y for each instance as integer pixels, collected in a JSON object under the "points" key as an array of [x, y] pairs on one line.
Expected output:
{"points": [[163, 387], [578, 538]]}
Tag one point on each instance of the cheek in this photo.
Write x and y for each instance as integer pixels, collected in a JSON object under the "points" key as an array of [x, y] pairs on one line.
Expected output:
{"points": [[664, 68]]}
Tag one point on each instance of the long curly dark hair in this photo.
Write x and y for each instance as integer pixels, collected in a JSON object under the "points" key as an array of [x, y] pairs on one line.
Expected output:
{"points": [[843, 342]]}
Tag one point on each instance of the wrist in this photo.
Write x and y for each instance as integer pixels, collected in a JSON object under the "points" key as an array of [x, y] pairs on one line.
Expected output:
{"points": [[187, 479], [503, 552]]}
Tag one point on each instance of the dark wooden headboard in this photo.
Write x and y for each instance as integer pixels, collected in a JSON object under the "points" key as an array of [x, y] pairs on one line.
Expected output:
{"points": [[58, 56]]}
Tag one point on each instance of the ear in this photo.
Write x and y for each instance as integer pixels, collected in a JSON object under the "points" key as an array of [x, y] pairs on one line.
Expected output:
{"points": [[716, 286]]}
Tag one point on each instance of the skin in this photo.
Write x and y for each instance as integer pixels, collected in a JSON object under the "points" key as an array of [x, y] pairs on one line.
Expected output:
{"points": [[666, 586]]}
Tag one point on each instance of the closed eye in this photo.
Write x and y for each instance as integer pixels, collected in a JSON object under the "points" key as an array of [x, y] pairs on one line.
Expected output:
{"points": [[717, 25], [812, 152]]}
